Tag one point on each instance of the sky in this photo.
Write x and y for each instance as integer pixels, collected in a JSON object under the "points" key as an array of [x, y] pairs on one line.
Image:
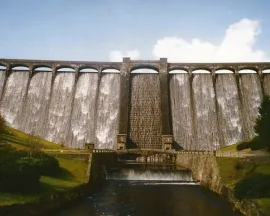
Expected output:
{"points": [[108, 30]]}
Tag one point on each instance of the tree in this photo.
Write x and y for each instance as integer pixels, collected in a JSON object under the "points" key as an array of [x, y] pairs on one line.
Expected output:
{"points": [[262, 126]]}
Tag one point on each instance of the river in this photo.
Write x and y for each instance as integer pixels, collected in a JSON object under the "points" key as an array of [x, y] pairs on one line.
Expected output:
{"points": [[146, 192]]}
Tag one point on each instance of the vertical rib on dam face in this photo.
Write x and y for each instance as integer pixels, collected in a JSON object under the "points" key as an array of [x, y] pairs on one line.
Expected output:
{"points": [[229, 111], [251, 94], [182, 121], [145, 112], [82, 128], [107, 111], [205, 112], [266, 83], [2, 80], [13, 99]]}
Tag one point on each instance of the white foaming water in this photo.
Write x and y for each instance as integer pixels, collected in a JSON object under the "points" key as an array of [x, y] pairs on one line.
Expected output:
{"points": [[229, 112], [251, 94], [82, 129], [167, 183], [13, 98], [182, 111], [107, 111], [60, 108], [205, 112], [150, 175], [36, 106], [68, 117]]}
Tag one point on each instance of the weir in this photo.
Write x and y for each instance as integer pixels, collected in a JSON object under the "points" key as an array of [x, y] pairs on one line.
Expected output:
{"points": [[190, 110], [143, 172]]}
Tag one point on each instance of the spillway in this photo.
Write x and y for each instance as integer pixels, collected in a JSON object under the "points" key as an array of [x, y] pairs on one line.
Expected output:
{"points": [[182, 112], [228, 109], [202, 111], [107, 111], [145, 111], [206, 125]]}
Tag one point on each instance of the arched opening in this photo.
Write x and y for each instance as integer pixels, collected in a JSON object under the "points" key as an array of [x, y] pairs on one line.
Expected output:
{"points": [[45, 69], [20, 68], [88, 70], [144, 71], [247, 71], [223, 71], [178, 71], [65, 69], [110, 70], [266, 70], [2, 67], [201, 71]]}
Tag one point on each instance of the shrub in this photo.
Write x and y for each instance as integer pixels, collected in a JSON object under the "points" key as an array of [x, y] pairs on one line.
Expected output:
{"points": [[262, 125], [18, 176], [45, 164], [20, 171], [238, 165], [255, 185], [256, 144], [242, 145]]}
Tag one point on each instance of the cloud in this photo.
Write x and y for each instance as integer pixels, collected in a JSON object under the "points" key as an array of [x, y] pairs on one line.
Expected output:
{"points": [[117, 55], [237, 45]]}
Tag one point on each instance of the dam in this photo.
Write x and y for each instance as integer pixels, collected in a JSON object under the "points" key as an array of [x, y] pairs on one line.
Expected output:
{"points": [[191, 106]]}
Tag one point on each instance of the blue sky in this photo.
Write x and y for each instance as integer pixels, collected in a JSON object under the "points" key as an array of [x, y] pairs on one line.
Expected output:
{"points": [[101, 30]]}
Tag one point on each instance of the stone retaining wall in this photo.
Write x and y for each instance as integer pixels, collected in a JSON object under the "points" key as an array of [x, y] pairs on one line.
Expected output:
{"points": [[205, 170]]}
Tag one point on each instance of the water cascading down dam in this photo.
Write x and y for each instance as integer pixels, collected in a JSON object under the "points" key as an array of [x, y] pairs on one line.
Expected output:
{"points": [[73, 103]]}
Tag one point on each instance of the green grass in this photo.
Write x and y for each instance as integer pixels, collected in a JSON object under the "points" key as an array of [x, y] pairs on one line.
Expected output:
{"points": [[228, 172], [230, 175], [231, 148], [228, 148], [264, 205], [73, 173], [18, 139]]}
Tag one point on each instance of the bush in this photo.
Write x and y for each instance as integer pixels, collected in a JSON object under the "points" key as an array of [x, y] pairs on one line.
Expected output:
{"points": [[242, 145], [238, 166], [20, 171], [254, 144], [18, 176], [262, 126], [255, 185], [44, 164]]}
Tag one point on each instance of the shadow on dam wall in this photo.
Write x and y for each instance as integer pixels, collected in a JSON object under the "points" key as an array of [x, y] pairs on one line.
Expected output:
{"points": [[203, 111]]}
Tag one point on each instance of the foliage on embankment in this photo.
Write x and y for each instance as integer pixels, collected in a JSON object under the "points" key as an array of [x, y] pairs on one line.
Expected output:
{"points": [[248, 178], [27, 173], [21, 171]]}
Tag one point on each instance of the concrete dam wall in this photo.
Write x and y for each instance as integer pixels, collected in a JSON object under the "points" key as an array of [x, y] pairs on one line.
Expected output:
{"points": [[201, 111]]}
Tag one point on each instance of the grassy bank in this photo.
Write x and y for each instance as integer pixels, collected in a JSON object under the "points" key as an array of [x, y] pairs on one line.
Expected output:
{"points": [[20, 139], [72, 173], [236, 172]]}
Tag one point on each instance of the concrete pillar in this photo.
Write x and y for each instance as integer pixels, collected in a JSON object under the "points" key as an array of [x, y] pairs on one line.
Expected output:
{"points": [[76, 75], [164, 96], [31, 71], [53, 73], [8, 70], [124, 96]]}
